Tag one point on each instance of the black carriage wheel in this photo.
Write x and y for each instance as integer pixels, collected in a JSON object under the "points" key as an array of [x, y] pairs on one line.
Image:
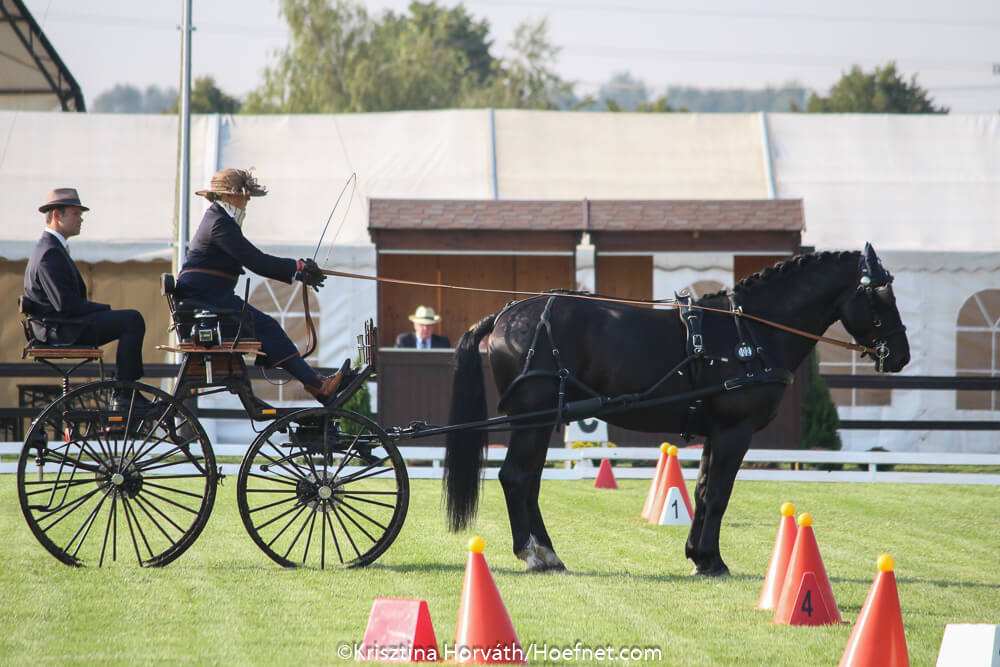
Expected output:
{"points": [[99, 484], [323, 487]]}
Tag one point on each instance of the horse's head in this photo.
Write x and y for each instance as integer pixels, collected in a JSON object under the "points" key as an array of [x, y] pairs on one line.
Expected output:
{"points": [[871, 317]]}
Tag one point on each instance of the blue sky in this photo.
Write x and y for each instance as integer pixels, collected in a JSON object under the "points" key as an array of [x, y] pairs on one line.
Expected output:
{"points": [[952, 46]]}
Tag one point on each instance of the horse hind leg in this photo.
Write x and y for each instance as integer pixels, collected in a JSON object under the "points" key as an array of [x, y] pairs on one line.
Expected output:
{"points": [[520, 476]]}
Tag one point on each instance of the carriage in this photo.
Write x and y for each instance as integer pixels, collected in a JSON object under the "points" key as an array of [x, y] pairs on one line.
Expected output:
{"points": [[325, 486]]}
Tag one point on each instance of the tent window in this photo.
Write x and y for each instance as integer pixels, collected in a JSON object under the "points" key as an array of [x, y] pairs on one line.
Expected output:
{"points": [[977, 347], [284, 303], [703, 287], [838, 360]]}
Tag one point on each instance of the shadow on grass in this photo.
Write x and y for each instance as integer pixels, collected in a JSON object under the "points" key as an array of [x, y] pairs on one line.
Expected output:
{"points": [[654, 578]]}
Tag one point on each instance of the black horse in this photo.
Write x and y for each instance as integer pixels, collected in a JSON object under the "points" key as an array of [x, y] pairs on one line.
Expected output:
{"points": [[639, 368]]}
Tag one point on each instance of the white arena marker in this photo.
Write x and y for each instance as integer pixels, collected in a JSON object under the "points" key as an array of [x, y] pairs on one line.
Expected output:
{"points": [[970, 645], [675, 512]]}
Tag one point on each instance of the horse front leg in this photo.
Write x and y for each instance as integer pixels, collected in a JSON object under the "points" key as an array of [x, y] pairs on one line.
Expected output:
{"points": [[698, 520], [726, 448]]}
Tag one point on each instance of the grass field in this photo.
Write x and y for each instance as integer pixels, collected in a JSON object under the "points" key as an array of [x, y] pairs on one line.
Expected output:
{"points": [[224, 602]]}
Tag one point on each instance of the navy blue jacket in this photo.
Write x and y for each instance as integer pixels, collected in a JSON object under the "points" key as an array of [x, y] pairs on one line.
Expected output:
{"points": [[220, 247], [410, 340], [52, 281]]}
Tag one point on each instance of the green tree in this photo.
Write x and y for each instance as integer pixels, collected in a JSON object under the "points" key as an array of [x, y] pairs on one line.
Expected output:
{"points": [[340, 60], [206, 97], [527, 79], [819, 414], [883, 91]]}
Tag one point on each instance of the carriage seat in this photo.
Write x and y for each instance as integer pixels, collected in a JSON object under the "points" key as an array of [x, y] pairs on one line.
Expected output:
{"points": [[185, 314], [32, 311]]}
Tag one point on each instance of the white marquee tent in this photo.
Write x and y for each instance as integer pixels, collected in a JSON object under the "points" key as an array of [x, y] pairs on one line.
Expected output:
{"points": [[925, 190]]}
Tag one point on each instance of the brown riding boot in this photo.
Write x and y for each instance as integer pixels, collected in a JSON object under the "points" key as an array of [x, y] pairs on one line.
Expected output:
{"points": [[326, 387]]}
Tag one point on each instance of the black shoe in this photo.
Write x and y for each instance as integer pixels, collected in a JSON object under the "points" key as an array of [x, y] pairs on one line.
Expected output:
{"points": [[122, 400]]}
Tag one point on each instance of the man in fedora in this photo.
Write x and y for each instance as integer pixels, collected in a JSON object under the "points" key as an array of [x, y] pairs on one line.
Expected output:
{"points": [[218, 255], [423, 337], [53, 282]]}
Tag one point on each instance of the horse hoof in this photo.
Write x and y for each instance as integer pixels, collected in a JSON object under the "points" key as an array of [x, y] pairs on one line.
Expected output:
{"points": [[708, 572]]}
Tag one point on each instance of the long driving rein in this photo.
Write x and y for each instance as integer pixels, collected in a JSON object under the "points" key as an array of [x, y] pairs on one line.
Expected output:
{"points": [[879, 350]]}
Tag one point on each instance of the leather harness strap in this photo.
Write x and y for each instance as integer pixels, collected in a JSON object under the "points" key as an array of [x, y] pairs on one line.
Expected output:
{"points": [[592, 297]]}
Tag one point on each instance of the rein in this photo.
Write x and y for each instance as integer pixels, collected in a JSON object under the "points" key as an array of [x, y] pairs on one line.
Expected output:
{"points": [[635, 302]]}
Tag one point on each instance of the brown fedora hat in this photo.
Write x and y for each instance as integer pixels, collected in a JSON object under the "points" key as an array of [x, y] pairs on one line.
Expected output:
{"points": [[233, 182], [61, 197]]}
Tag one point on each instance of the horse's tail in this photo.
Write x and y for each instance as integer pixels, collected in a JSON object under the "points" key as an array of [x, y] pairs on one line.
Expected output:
{"points": [[465, 448]]}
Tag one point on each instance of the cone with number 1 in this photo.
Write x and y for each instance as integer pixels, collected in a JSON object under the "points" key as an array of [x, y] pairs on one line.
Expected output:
{"points": [[806, 595], [673, 504]]}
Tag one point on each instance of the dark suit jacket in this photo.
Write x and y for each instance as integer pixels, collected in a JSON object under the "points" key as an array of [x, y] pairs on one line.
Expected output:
{"points": [[52, 281], [410, 340], [219, 246]]}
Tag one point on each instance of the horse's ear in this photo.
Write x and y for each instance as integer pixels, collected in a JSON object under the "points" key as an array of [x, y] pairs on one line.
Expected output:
{"points": [[871, 266]]}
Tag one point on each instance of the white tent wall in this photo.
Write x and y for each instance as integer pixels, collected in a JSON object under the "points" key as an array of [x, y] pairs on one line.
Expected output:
{"points": [[903, 182], [305, 160], [674, 271], [930, 288], [560, 155], [125, 168], [925, 191]]}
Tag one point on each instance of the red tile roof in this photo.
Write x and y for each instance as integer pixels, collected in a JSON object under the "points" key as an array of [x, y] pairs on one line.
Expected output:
{"points": [[604, 215]]}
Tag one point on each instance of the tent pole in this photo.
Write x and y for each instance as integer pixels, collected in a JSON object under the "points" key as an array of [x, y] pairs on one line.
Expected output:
{"points": [[184, 177]]}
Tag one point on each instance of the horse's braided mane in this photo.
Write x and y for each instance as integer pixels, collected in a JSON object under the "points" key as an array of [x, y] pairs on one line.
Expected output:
{"points": [[796, 263]]}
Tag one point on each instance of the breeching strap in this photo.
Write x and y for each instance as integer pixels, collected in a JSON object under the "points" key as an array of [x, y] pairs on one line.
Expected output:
{"points": [[592, 297]]}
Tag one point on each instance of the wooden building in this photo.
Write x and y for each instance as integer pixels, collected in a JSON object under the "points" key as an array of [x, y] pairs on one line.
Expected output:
{"points": [[606, 246]]}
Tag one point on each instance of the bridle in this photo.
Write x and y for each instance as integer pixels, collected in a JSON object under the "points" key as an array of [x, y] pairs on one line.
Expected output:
{"points": [[875, 284]]}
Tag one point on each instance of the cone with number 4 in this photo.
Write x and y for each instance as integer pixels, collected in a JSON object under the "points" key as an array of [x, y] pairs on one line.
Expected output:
{"points": [[806, 595]]}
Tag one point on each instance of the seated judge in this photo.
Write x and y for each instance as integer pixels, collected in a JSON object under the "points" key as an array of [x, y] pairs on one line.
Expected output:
{"points": [[423, 337], [53, 282]]}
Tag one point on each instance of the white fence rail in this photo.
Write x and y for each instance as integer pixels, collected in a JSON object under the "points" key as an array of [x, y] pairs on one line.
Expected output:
{"points": [[426, 463]]}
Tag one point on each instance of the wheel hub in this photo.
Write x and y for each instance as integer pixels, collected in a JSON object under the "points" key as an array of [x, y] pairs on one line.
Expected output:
{"points": [[120, 477], [316, 491]]}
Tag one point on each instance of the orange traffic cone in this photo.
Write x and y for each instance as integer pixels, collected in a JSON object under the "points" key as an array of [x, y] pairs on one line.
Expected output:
{"points": [[672, 478], [605, 478], [776, 569], [484, 634], [399, 630], [802, 596], [658, 478], [877, 638]]}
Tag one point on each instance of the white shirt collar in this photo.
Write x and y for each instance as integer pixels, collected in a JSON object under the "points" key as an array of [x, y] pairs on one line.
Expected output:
{"points": [[62, 239], [231, 210]]}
